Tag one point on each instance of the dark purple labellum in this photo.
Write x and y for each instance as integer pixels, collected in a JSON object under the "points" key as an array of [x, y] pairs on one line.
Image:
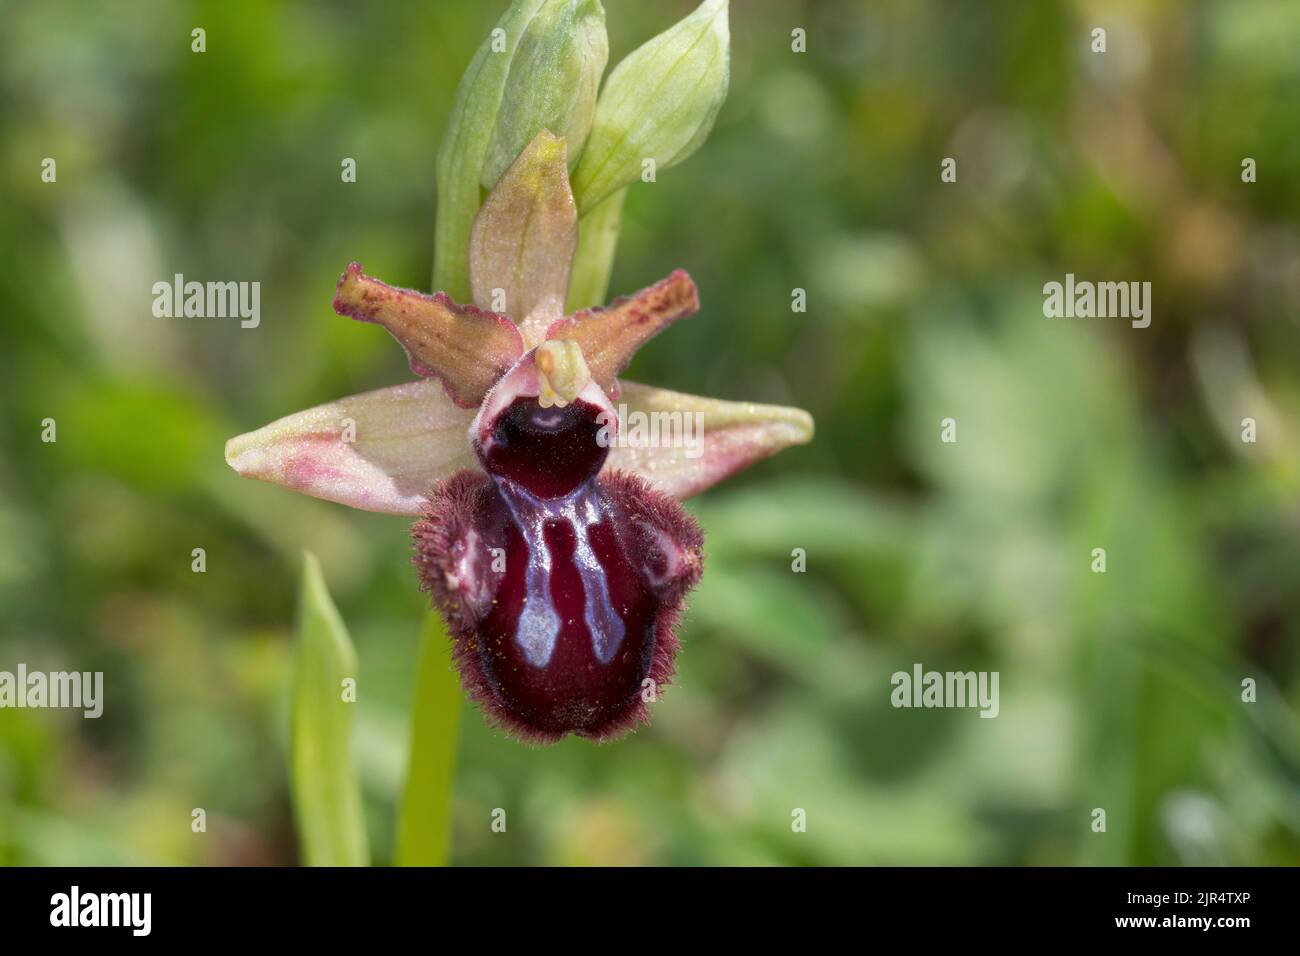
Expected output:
{"points": [[561, 586]]}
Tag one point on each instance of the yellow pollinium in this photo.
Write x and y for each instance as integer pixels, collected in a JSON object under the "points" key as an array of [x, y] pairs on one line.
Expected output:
{"points": [[561, 372]]}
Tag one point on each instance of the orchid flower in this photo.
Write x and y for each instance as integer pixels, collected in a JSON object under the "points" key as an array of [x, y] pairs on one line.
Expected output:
{"points": [[552, 543]]}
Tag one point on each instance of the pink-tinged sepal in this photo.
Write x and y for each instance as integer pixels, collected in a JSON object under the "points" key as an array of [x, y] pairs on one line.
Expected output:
{"points": [[464, 347], [379, 451], [611, 336], [700, 441]]}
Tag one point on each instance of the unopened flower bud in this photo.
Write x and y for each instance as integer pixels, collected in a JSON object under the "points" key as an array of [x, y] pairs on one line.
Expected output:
{"points": [[552, 83], [659, 104], [539, 68]]}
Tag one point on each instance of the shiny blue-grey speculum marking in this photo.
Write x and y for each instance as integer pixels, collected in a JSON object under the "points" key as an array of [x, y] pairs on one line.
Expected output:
{"points": [[539, 623]]}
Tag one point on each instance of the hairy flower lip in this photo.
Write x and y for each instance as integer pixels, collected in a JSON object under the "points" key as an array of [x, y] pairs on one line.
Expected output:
{"points": [[542, 703]]}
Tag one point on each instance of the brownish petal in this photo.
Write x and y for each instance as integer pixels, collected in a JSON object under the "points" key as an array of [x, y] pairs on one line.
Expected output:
{"points": [[466, 348], [611, 336]]}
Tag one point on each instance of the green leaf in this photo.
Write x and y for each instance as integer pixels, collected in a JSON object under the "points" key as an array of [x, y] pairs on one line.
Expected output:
{"points": [[424, 823], [326, 790], [659, 104]]}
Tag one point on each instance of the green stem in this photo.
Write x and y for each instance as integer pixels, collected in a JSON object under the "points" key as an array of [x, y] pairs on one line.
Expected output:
{"points": [[424, 820], [458, 204], [594, 260]]}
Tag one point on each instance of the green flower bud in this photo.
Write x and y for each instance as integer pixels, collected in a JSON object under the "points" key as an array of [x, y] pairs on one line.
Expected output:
{"points": [[658, 104], [539, 68], [552, 83]]}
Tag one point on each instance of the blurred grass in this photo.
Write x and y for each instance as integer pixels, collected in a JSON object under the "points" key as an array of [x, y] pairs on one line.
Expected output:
{"points": [[326, 792], [1119, 690], [424, 825]]}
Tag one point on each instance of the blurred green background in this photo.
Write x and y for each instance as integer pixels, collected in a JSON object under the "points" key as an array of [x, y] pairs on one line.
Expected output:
{"points": [[1119, 691]]}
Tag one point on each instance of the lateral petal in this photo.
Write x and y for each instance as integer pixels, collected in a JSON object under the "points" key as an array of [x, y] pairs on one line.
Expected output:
{"points": [[466, 348], [611, 336]]}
